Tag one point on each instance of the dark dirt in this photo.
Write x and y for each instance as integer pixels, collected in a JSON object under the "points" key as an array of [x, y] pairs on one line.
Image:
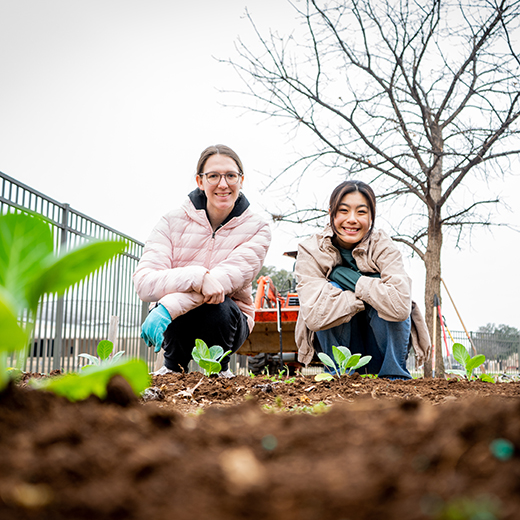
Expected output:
{"points": [[386, 450]]}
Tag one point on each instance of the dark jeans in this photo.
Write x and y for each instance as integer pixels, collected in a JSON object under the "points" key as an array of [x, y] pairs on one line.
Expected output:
{"points": [[367, 334], [222, 324]]}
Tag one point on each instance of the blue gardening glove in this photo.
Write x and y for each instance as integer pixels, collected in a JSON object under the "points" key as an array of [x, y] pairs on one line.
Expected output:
{"points": [[154, 326]]}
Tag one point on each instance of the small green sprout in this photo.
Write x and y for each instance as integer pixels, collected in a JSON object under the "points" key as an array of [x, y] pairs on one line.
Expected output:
{"points": [[469, 363], [208, 358], [344, 360], [104, 352]]}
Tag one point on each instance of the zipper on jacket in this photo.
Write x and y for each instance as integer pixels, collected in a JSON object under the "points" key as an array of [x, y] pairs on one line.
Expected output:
{"points": [[213, 234]]}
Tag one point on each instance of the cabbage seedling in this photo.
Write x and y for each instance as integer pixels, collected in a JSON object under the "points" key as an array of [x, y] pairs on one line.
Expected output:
{"points": [[345, 360], [469, 363], [104, 352], [29, 269], [208, 358]]}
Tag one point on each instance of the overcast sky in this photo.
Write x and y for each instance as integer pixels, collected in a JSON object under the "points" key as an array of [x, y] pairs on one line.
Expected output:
{"points": [[107, 104]]}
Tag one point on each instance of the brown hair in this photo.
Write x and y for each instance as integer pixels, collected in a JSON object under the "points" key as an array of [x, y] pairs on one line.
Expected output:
{"points": [[218, 149], [345, 188]]}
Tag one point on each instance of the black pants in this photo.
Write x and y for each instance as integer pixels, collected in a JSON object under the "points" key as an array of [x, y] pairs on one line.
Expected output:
{"points": [[222, 324]]}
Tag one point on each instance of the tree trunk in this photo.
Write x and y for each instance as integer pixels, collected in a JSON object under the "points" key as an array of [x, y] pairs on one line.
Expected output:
{"points": [[432, 261]]}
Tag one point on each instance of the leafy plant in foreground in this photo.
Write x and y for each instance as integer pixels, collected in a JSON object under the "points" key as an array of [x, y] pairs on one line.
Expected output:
{"points": [[104, 355], [345, 360], [208, 358], [76, 387], [469, 363], [28, 270]]}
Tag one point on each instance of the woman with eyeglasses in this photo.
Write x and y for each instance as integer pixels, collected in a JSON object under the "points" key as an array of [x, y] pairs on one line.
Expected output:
{"points": [[199, 263]]}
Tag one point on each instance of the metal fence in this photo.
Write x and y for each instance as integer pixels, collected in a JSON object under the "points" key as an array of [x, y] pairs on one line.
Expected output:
{"points": [[77, 321], [502, 352]]}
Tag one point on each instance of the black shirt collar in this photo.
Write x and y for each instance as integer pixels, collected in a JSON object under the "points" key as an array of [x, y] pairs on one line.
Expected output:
{"points": [[200, 201]]}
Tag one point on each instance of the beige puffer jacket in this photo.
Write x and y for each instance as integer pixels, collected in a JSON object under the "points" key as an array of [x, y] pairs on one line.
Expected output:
{"points": [[183, 247], [323, 306]]}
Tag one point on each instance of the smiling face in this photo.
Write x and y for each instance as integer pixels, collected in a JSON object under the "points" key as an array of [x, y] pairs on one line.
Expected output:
{"points": [[221, 197], [352, 220]]}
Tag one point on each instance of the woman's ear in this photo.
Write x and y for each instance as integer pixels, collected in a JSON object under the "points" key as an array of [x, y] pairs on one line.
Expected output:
{"points": [[200, 184]]}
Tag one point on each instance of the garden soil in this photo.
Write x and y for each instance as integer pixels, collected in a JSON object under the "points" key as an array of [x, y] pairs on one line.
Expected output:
{"points": [[260, 448]]}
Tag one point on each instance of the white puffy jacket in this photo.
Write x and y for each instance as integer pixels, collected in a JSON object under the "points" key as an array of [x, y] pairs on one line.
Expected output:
{"points": [[183, 247]]}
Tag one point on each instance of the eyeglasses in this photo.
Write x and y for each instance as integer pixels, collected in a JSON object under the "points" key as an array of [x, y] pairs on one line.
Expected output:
{"points": [[214, 178]]}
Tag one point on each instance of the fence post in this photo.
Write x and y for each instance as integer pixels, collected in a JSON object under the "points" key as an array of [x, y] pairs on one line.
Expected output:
{"points": [[58, 333], [143, 348]]}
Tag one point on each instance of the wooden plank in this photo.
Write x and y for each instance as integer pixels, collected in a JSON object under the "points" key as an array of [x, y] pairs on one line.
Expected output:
{"points": [[265, 338]]}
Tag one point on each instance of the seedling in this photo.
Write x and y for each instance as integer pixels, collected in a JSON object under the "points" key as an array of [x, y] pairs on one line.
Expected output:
{"points": [[104, 352], [28, 270], [469, 363], [208, 358], [344, 361]]}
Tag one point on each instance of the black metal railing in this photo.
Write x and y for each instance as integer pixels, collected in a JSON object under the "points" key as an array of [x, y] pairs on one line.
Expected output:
{"points": [[75, 323]]}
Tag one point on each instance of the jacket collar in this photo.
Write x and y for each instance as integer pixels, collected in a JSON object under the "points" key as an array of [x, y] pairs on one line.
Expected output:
{"points": [[200, 201]]}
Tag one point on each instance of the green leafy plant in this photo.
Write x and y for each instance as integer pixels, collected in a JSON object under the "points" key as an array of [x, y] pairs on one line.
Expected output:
{"points": [[469, 363], [283, 376], [104, 355], [28, 270], [345, 361], [208, 358], [76, 387]]}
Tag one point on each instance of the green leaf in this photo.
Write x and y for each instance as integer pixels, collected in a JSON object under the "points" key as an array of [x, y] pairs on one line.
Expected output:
{"points": [[487, 378], [25, 244], [362, 362], [202, 348], [323, 377], [460, 354], [353, 360], [475, 362], [326, 360], [76, 387], [117, 355], [224, 355], [457, 372], [12, 336], [210, 366], [104, 349], [74, 266], [340, 354], [195, 355], [345, 351], [215, 352], [93, 359]]}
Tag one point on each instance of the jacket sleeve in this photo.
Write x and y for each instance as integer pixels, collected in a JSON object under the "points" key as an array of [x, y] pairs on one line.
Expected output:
{"points": [[390, 295], [244, 262], [181, 303], [321, 304], [155, 277]]}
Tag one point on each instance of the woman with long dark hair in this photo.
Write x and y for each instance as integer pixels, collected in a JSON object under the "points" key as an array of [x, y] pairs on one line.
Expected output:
{"points": [[354, 290]]}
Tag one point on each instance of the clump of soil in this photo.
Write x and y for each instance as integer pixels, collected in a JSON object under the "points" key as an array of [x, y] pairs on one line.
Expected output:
{"points": [[421, 449]]}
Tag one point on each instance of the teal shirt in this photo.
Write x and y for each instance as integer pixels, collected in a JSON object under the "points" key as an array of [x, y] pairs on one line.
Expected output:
{"points": [[347, 274]]}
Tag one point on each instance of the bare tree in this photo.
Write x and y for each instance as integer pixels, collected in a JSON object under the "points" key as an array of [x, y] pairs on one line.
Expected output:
{"points": [[420, 98]]}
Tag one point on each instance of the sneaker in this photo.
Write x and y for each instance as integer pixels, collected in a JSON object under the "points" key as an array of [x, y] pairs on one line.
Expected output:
{"points": [[226, 373], [163, 371]]}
